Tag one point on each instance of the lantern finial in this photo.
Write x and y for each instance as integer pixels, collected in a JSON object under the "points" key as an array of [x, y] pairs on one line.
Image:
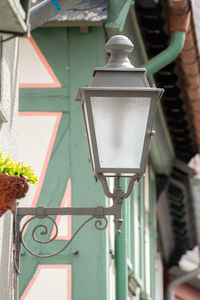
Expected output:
{"points": [[119, 46]]}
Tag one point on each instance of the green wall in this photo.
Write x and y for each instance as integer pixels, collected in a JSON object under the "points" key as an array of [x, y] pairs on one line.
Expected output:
{"points": [[72, 56]]}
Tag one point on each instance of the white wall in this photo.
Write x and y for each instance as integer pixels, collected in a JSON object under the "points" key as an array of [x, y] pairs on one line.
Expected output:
{"points": [[9, 97]]}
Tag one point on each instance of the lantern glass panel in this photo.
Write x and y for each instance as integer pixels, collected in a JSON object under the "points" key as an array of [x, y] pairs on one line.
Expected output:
{"points": [[120, 125]]}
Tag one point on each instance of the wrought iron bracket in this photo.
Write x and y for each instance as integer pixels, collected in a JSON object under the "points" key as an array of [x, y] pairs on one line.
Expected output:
{"points": [[95, 213]]}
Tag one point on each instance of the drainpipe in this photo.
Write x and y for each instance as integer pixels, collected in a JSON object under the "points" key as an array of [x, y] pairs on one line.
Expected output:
{"points": [[168, 55], [180, 280], [179, 14], [121, 255], [44, 11]]}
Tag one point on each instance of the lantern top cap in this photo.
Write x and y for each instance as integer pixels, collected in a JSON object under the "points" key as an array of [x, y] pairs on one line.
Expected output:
{"points": [[119, 46], [119, 42]]}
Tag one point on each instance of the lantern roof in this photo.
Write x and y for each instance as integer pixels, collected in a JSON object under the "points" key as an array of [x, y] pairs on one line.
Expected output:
{"points": [[119, 72]]}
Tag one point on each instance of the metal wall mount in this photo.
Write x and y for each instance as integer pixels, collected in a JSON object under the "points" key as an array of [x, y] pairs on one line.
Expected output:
{"points": [[98, 214]]}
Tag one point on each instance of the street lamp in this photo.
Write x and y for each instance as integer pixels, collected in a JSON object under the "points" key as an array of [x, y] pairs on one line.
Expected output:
{"points": [[119, 109]]}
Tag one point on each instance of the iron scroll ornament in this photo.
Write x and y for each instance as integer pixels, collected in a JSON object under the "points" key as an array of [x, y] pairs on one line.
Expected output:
{"points": [[98, 225], [99, 213]]}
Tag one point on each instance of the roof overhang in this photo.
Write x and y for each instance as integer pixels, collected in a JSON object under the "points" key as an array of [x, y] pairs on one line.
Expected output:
{"points": [[73, 13]]}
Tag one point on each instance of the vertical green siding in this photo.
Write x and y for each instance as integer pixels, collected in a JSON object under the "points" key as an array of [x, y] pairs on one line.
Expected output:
{"points": [[132, 225], [142, 231], [90, 270], [121, 253], [141, 223], [153, 231]]}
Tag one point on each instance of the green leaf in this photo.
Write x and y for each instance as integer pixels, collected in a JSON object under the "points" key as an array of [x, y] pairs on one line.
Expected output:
{"points": [[9, 167]]}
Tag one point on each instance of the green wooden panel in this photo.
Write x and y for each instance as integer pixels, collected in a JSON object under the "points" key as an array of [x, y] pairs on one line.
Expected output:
{"points": [[162, 154], [90, 270], [73, 62], [46, 99], [121, 244], [146, 219], [117, 16], [153, 231], [133, 198], [142, 231], [129, 227]]}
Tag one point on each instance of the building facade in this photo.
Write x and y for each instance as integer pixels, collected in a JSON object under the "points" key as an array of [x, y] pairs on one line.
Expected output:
{"points": [[159, 226], [98, 263]]}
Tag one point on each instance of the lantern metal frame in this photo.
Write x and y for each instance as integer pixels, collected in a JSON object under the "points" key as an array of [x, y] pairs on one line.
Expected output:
{"points": [[86, 93]]}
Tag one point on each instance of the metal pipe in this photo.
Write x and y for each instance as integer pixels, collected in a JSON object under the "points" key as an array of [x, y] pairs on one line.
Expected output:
{"points": [[168, 55], [179, 20], [121, 256], [179, 280], [44, 11]]}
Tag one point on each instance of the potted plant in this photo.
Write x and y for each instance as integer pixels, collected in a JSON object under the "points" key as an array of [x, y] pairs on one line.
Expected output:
{"points": [[14, 182]]}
